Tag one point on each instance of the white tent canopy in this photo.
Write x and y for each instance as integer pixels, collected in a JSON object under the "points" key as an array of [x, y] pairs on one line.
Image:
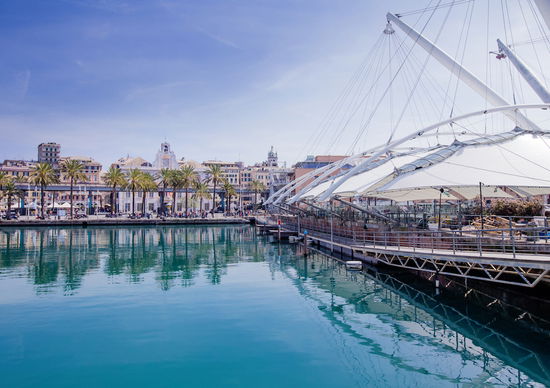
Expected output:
{"points": [[360, 182], [449, 193], [521, 161], [511, 164]]}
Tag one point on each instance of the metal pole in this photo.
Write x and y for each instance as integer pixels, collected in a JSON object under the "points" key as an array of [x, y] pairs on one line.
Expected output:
{"points": [[512, 237], [331, 234], [481, 206], [439, 215]]}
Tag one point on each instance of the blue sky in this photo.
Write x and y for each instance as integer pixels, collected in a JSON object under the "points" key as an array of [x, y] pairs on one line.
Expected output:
{"points": [[217, 79], [221, 79]]}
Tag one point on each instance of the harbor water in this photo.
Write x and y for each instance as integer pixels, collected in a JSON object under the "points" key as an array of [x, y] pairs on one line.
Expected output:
{"points": [[220, 306]]}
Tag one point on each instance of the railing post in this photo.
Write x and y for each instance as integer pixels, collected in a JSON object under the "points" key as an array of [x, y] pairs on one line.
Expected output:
{"points": [[454, 242], [512, 238], [479, 242], [398, 241], [545, 230]]}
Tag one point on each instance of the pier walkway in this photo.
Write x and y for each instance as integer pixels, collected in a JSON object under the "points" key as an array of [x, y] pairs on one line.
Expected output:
{"points": [[500, 256]]}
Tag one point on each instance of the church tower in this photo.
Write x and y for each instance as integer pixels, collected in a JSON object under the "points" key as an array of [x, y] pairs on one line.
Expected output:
{"points": [[272, 158]]}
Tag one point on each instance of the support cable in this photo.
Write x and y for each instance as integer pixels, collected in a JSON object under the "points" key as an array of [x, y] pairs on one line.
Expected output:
{"points": [[428, 56], [532, 44], [386, 90]]}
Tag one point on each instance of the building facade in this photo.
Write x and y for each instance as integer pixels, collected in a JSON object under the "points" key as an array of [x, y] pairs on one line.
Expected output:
{"points": [[49, 153], [17, 169], [91, 168]]}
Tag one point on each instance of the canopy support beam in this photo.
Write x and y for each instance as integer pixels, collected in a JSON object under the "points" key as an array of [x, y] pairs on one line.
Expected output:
{"points": [[365, 165], [463, 74], [525, 72]]}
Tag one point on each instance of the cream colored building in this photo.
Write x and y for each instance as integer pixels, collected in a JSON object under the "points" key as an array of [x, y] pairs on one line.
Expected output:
{"points": [[91, 168]]}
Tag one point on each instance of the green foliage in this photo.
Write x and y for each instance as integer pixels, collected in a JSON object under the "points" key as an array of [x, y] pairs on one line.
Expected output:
{"points": [[115, 178], [43, 175], [73, 170]]}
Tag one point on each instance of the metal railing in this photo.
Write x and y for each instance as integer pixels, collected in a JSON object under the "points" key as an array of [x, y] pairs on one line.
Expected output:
{"points": [[510, 241]]}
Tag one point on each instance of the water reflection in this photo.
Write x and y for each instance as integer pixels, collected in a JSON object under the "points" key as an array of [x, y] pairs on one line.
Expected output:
{"points": [[485, 352], [385, 315], [63, 256]]}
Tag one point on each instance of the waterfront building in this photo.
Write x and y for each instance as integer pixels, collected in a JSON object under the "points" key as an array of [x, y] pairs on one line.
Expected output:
{"points": [[49, 153], [312, 163], [91, 168], [272, 158], [165, 158], [18, 169], [231, 170]]}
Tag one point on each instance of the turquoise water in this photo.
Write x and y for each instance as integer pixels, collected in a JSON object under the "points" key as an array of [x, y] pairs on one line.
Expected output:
{"points": [[220, 307]]}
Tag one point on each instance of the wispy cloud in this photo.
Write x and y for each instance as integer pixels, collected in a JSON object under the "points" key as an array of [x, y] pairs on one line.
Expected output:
{"points": [[224, 41], [104, 5]]}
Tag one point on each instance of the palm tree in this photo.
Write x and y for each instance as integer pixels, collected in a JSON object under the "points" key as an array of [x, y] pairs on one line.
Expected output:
{"points": [[147, 184], [134, 178], [4, 178], [114, 178], [164, 182], [188, 177], [72, 170], [43, 175], [10, 190], [229, 192], [216, 175], [176, 182], [201, 191], [257, 187]]}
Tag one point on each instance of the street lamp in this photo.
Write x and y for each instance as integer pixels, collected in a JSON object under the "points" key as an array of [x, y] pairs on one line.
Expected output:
{"points": [[481, 205]]}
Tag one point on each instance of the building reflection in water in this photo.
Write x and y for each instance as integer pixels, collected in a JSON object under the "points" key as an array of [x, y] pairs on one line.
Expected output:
{"points": [[51, 257], [369, 306]]}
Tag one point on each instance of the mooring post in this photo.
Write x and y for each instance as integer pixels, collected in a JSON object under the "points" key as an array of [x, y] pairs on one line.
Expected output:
{"points": [[305, 242], [331, 234]]}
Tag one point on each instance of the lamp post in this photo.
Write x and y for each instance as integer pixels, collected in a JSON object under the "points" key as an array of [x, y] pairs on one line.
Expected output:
{"points": [[481, 205], [439, 215]]}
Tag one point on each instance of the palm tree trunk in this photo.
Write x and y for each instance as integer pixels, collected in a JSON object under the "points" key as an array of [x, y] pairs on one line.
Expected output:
{"points": [[200, 206], [255, 201], [174, 202], [161, 204], [42, 200], [186, 207], [143, 205], [71, 198], [214, 198], [133, 202], [9, 207], [113, 200]]}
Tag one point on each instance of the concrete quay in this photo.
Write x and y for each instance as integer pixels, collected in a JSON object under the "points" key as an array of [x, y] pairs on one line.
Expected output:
{"points": [[122, 221]]}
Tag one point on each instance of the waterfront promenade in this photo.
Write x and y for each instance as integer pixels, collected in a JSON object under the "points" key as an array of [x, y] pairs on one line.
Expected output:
{"points": [[102, 220]]}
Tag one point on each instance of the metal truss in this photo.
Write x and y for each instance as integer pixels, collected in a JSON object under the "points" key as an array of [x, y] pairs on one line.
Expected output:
{"points": [[517, 273], [484, 335]]}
